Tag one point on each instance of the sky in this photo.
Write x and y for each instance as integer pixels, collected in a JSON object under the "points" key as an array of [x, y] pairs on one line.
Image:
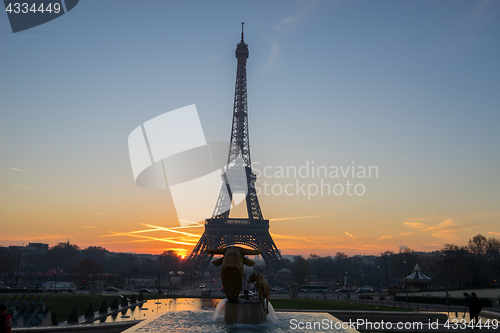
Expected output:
{"points": [[405, 89]]}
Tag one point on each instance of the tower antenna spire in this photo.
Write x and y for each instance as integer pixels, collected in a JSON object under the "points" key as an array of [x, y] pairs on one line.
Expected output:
{"points": [[242, 24]]}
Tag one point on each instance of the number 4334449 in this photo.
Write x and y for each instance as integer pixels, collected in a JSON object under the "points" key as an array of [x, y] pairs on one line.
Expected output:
{"points": [[25, 8]]}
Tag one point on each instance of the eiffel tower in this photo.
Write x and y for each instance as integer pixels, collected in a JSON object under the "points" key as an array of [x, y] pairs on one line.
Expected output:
{"points": [[220, 230]]}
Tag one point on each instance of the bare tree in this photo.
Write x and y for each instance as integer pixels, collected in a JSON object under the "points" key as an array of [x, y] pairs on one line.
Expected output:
{"points": [[87, 269], [64, 254], [457, 261], [300, 269], [477, 244], [403, 263]]}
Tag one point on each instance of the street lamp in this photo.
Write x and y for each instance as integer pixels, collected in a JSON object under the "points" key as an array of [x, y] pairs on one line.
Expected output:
{"points": [[385, 273], [446, 280], [356, 273], [406, 283], [159, 273], [129, 269], [29, 286], [347, 285], [379, 285], [361, 283], [57, 267], [18, 264]]}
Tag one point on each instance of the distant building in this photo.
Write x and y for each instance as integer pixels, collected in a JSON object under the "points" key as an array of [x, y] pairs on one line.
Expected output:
{"points": [[284, 274], [30, 248], [38, 247]]}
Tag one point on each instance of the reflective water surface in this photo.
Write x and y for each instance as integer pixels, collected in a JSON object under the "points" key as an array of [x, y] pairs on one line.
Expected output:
{"points": [[201, 321], [154, 307]]}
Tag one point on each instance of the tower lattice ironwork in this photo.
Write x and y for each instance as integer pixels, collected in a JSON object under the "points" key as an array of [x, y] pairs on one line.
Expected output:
{"points": [[220, 230]]}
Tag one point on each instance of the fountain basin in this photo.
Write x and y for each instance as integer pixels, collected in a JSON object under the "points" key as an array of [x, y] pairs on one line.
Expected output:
{"points": [[202, 322], [244, 312]]}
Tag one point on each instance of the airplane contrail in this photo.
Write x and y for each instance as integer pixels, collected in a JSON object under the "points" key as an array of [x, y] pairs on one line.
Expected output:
{"points": [[171, 230], [19, 170], [348, 234], [164, 239]]}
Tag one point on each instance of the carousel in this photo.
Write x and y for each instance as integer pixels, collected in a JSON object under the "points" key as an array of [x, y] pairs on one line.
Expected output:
{"points": [[417, 280]]}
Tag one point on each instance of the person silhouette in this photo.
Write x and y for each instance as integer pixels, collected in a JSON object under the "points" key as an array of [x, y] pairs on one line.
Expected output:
{"points": [[475, 306], [5, 319]]}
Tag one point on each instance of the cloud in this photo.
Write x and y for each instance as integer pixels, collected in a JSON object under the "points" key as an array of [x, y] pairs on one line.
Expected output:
{"points": [[286, 24], [482, 12], [89, 226], [98, 213], [19, 170], [430, 218], [385, 237], [437, 227], [273, 53], [416, 225], [445, 230]]}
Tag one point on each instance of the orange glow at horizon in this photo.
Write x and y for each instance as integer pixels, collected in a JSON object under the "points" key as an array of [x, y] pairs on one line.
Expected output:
{"points": [[322, 235], [293, 243]]}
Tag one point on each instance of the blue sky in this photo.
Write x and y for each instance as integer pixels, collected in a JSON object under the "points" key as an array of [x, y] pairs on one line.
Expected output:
{"points": [[411, 87]]}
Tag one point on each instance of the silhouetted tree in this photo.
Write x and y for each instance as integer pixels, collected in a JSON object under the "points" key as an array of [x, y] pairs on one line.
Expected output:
{"points": [[403, 263], [87, 269], [96, 253], [322, 268], [64, 254], [148, 267], [493, 252], [386, 264], [170, 261], [478, 264], [300, 269], [7, 264], [477, 244]]}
